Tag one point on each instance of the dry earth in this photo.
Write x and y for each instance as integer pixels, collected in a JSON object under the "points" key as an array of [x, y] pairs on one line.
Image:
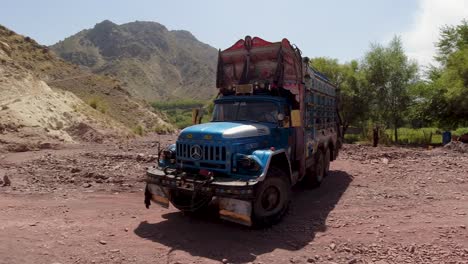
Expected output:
{"points": [[84, 204]]}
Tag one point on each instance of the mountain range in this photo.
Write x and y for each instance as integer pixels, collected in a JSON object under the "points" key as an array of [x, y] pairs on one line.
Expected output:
{"points": [[152, 62]]}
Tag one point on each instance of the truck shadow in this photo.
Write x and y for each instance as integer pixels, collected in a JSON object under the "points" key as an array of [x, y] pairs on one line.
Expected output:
{"points": [[209, 237]]}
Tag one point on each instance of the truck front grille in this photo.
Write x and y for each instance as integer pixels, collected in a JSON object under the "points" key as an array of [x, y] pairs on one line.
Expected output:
{"points": [[208, 152]]}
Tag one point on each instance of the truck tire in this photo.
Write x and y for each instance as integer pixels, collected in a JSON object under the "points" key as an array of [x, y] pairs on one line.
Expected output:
{"points": [[327, 159], [187, 202], [272, 198], [315, 174]]}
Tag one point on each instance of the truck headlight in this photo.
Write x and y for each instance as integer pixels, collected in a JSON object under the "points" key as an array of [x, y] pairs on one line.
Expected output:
{"points": [[168, 154], [247, 163]]}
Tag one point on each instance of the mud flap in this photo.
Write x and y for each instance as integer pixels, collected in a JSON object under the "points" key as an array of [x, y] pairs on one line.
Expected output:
{"points": [[237, 211], [157, 194]]}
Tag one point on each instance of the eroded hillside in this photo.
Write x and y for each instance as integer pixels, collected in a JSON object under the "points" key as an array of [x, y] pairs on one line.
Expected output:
{"points": [[37, 63]]}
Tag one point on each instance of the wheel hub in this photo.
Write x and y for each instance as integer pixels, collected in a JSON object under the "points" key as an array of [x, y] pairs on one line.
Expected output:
{"points": [[270, 198]]}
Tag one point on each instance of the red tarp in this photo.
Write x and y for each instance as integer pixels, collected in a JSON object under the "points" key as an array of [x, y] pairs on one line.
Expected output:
{"points": [[256, 60]]}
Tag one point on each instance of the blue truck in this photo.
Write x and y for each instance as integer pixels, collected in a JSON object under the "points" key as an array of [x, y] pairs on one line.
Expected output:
{"points": [[275, 123]]}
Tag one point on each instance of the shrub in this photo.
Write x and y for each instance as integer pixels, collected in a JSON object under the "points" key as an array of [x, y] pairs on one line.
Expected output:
{"points": [[93, 103], [98, 104], [460, 131], [139, 130], [163, 129], [179, 112]]}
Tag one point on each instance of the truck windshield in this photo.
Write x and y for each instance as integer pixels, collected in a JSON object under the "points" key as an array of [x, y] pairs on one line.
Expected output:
{"points": [[246, 111]]}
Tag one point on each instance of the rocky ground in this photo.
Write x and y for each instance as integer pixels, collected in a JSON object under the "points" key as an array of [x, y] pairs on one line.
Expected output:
{"points": [[84, 204]]}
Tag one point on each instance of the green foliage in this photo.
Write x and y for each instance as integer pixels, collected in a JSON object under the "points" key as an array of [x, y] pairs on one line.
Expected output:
{"points": [[355, 94], [452, 39], [98, 104], [390, 74], [93, 103], [442, 100], [460, 131], [330, 67], [163, 129], [139, 130], [384, 89], [179, 112], [421, 136]]}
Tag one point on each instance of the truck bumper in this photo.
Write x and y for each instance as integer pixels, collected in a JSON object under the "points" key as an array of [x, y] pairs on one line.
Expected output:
{"points": [[234, 196]]}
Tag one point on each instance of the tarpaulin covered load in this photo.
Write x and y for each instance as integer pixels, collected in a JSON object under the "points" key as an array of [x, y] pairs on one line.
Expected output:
{"points": [[269, 65]]}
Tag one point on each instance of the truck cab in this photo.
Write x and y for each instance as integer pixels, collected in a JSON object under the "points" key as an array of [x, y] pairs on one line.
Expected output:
{"points": [[240, 126], [272, 126]]}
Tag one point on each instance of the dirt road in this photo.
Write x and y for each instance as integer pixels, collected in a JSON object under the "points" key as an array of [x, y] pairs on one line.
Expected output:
{"points": [[84, 204]]}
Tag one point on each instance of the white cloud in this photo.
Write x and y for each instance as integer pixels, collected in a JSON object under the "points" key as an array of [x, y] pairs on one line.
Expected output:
{"points": [[420, 39]]}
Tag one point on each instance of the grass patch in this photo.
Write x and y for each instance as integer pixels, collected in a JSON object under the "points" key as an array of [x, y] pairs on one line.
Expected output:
{"points": [[98, 104], [460, 131], [139, 130], [179, 113], [418, 136], [162, 129]]}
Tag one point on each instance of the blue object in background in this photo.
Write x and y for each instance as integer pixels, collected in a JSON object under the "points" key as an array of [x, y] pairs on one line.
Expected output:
{"points": [[446, 137]]}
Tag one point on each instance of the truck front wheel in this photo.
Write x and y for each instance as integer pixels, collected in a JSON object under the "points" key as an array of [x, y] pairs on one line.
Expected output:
{"points": [[271, 199]]}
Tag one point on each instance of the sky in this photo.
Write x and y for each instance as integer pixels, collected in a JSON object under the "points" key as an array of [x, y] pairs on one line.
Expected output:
{"points": [[334, 28]]}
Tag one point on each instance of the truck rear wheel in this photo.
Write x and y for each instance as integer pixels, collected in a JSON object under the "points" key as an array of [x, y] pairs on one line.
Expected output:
{"points": [[271, 199], [189, 201], [314, 175]]}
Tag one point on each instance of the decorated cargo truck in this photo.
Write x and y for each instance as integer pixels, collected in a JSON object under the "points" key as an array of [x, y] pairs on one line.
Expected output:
{"points": [[275, 124]]}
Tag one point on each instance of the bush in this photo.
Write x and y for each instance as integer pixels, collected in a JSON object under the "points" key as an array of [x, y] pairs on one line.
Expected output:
{"points": [[93, 103], [163, 129], [179, 112], [139, 130], [98, 104], [460, 131]]}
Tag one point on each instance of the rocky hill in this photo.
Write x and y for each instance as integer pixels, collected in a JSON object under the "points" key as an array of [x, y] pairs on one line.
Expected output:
{"points": [[152, 62], [44, 97]]}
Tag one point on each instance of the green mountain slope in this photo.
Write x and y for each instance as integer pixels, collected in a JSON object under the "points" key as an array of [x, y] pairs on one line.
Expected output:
{"points": [[152, 62]]}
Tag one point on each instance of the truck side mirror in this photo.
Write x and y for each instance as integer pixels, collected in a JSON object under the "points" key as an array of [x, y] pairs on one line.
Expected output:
{"points": [[296, 118]]}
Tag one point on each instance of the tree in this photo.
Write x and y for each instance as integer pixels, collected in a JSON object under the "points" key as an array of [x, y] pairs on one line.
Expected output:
{"points": [[390, 74], [452, 39], [330, 68], [354, 92], [451, 79]]}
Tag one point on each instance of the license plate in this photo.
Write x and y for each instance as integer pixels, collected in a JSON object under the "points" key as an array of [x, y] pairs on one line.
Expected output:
{"points": [[159, 196], [236, 211]]}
